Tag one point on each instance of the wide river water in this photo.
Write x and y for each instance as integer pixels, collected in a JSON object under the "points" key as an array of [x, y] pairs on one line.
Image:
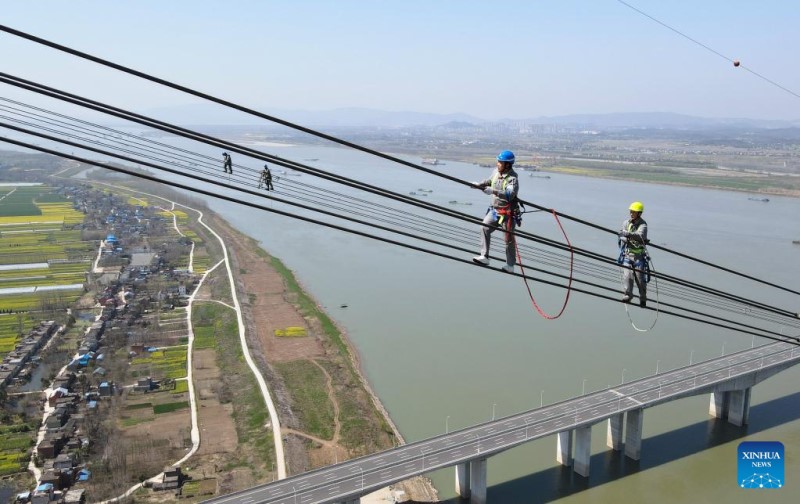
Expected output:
{"points": [[447, 345]]}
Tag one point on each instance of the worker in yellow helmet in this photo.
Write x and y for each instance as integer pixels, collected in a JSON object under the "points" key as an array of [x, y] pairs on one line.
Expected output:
{"points": [[633, 258]]}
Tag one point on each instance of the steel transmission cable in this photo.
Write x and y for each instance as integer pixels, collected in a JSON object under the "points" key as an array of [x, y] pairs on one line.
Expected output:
{"points": [[54, 93], [51, 92], [104, 132], [346, 143], [464, 237], [776, 337], [99, 131], [300, 167], [162, 144], [115, 133], [229, 186], [709, 49], [764, 333], [120, 134], [443, 228], [470, 218], [135, 140]]}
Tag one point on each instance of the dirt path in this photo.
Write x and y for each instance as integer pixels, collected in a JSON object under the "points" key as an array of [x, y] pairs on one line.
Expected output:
{"points": [[337, 425], [332, 444]]}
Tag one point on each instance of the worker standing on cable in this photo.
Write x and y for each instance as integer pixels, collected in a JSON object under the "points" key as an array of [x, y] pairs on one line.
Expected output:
{"points": [[633, 258], [503, 186], [227, 163], [266, 179]]}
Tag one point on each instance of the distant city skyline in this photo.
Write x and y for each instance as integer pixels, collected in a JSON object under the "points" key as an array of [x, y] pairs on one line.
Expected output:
{"points": [[492, 60]]}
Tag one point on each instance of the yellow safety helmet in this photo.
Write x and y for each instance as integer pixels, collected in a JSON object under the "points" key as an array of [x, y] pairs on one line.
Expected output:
{"points": [[636, 206]]}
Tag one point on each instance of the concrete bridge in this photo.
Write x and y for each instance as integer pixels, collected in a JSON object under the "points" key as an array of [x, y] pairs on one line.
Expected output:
{"points": [[728, 379]]}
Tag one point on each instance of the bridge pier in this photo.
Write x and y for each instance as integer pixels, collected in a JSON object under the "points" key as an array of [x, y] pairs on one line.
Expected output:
{"points": [[614, 436], [477, 481], [564, 448], [718, 404], [733, 405], [471, 481], [462, 480], [583, 450], [739, 407], [633, 434]]}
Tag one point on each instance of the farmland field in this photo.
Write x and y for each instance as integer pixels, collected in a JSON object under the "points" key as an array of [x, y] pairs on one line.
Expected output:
{"points": [[12, 327], [36, 229], [166, 363], [16, 440]]}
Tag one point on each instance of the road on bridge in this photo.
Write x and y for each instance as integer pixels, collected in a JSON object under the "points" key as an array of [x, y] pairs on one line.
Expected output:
{"points": [[351, 479]]}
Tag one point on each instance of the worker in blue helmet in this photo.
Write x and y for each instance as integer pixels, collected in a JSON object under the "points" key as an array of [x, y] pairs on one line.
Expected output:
{"points": [[503, 213]]}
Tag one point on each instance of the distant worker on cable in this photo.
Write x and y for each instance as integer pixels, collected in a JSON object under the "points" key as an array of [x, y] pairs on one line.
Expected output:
{"points": [[633, 257], [266, 179], [503, 186], [227, 163]]}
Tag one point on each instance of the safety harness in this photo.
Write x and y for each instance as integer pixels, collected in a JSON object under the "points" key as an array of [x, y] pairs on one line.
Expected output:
{"points": [[509, 216], [641, 259]]}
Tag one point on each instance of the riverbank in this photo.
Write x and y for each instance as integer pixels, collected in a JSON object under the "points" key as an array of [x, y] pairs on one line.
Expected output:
{"points": [[753, 179], [361, 425], [773, 185]]}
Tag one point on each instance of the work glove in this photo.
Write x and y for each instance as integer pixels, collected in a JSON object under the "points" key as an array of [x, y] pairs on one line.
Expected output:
{"points": [[487, 190], [624, 234]]}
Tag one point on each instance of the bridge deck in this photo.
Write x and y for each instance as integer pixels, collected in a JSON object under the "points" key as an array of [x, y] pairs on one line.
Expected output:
{"points": [[350, 479]]}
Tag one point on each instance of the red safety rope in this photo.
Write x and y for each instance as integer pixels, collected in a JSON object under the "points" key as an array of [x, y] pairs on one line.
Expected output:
{"points": [[569, 285]]}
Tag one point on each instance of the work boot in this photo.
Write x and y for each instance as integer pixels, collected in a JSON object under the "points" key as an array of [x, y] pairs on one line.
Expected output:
{"points": [[481, 259], [508, 268], [642, 301], [627, 298]]}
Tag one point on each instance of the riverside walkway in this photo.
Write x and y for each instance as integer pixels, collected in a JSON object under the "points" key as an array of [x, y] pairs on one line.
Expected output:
{"points": [[728, 380]]}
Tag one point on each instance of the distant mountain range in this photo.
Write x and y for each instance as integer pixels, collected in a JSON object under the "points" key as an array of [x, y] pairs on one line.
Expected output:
{"points": [[209, 114], [343, 117]]}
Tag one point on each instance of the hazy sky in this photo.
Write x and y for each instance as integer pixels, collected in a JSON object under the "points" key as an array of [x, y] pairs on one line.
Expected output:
{"points": [[492, 59]]}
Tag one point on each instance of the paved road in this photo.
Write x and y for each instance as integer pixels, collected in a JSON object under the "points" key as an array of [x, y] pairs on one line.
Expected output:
{"points": [[195, 433], [360, 476]]}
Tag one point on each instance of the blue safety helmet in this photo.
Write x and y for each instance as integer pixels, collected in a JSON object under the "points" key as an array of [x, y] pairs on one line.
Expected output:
{"points": [[506, 156]]}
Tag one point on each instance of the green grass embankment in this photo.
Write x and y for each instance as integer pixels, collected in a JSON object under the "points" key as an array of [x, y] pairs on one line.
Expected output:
{"points": [[772, 184], [363, 427], [216, 327], [309, 396]]}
